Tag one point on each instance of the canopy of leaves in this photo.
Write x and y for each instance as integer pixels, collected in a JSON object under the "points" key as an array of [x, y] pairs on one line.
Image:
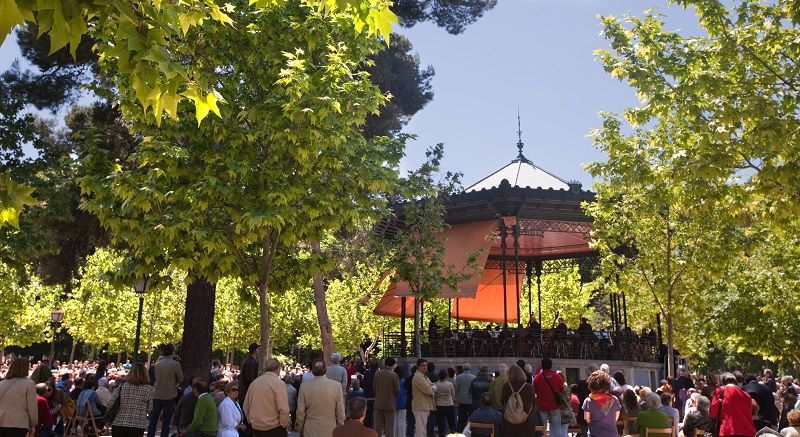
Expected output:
{"points": [[453, 15]]}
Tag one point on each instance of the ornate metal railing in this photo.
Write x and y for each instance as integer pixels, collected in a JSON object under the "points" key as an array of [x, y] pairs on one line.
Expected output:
{"points": [[595, 345]]}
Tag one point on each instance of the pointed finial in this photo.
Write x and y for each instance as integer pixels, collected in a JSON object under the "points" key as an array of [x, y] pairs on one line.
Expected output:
{"points": [[520, 144]]}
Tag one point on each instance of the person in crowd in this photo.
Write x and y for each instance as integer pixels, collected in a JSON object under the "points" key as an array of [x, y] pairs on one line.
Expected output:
{"points": [[89, 399], [77, 388], [291, 396], [184, 411], [793, 430], [57, 400], [168, 375], [619, 378], [320, 407], [18, 402], [407, 385], [651, 417], [463, 382], [218, 391], [789, 400], [479, 386], [135, 400], [630, 403], [204, 423], [102, 390], [767, 411], [42, 372], [546, 384], [769, 381], [699, 419], [486, 414], [518, 382], [445, 399], [386, 386], [400, 403], [229, 413], [665, 386], [355, 390], [369, 392], [336, 372], [247, 376], [423, 398], [787, 384], [601, 409], [582, 391], [354, 427], [736, 406], [667, 408], [44, 428], [496, 387], [217, 371], [267, 405]]}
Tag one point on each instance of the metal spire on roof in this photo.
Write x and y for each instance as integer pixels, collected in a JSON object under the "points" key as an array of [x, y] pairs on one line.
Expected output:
{"points": [[520, 145]]}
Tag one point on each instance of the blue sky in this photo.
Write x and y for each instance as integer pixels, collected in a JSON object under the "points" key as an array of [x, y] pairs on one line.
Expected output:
{"points": [[531, 55]]}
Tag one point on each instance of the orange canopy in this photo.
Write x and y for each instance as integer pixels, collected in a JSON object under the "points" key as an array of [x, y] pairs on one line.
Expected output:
{"points": [[462, 240]]}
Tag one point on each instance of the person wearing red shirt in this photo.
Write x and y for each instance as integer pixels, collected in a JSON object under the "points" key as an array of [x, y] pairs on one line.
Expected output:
{"points": [[546, 384], [46, 422], [736, 411]]}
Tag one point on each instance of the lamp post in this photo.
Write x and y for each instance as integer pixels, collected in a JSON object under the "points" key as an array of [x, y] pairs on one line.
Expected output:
{"points": [[56, 317], [140, 287]]}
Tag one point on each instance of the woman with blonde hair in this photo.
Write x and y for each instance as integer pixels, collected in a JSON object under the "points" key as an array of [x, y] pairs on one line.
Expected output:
{"points": [[19, 413], [135, 401]]}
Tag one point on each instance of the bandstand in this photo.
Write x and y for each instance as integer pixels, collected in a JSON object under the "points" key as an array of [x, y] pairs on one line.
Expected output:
{"points": [[538, 226]]}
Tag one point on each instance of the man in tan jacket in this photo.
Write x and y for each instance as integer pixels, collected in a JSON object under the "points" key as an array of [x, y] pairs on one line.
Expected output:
{"points": [[168, 375], [320, 407], [423, 400], [387, 387], [266, 404]]}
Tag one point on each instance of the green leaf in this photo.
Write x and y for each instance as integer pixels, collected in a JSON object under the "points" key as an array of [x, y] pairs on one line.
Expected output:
{"points": [[10, 17]]}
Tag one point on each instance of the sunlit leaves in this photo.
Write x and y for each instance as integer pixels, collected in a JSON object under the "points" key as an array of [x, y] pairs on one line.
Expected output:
{"points": [[13, 198], [145, 43]]}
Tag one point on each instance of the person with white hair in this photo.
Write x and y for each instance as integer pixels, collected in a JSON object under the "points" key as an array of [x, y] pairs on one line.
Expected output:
{"points": [[102, 390], [699, 419], [337, 372], [651, 417]]}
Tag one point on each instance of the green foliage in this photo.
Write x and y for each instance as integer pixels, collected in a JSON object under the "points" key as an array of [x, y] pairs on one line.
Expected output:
{"points": [[98, 312], [150, 44], [25, 306], [453, 15], [709, 168], [562, 293], [284, 163]]}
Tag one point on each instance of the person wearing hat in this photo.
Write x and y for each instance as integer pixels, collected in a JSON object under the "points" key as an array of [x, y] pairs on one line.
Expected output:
{"points": [[248, 374], [249, 371]]}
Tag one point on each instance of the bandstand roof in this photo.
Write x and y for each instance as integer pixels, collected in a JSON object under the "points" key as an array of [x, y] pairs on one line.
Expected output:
{"points": [[552, 225]]}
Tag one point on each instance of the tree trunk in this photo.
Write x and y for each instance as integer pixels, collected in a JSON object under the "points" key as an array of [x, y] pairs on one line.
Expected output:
{"points": [[198, 329], [417, 339], [72, 351], [266, 326], [321, 303]]}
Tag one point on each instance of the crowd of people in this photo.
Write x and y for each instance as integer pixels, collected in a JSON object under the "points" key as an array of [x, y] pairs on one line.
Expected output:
{"points": [[381, 398]]}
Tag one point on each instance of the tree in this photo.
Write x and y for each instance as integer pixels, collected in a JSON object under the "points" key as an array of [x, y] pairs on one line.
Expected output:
{"points": [[283, 164], [679, 243], [453, 15], [732, 95], [148, 44], [704, 144], [102, 312], [396, 72], [418, 247], [25, 304]]}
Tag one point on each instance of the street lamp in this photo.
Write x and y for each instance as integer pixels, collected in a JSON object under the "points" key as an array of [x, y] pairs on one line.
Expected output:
{"points": [[56, 317], [139, 287]]}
